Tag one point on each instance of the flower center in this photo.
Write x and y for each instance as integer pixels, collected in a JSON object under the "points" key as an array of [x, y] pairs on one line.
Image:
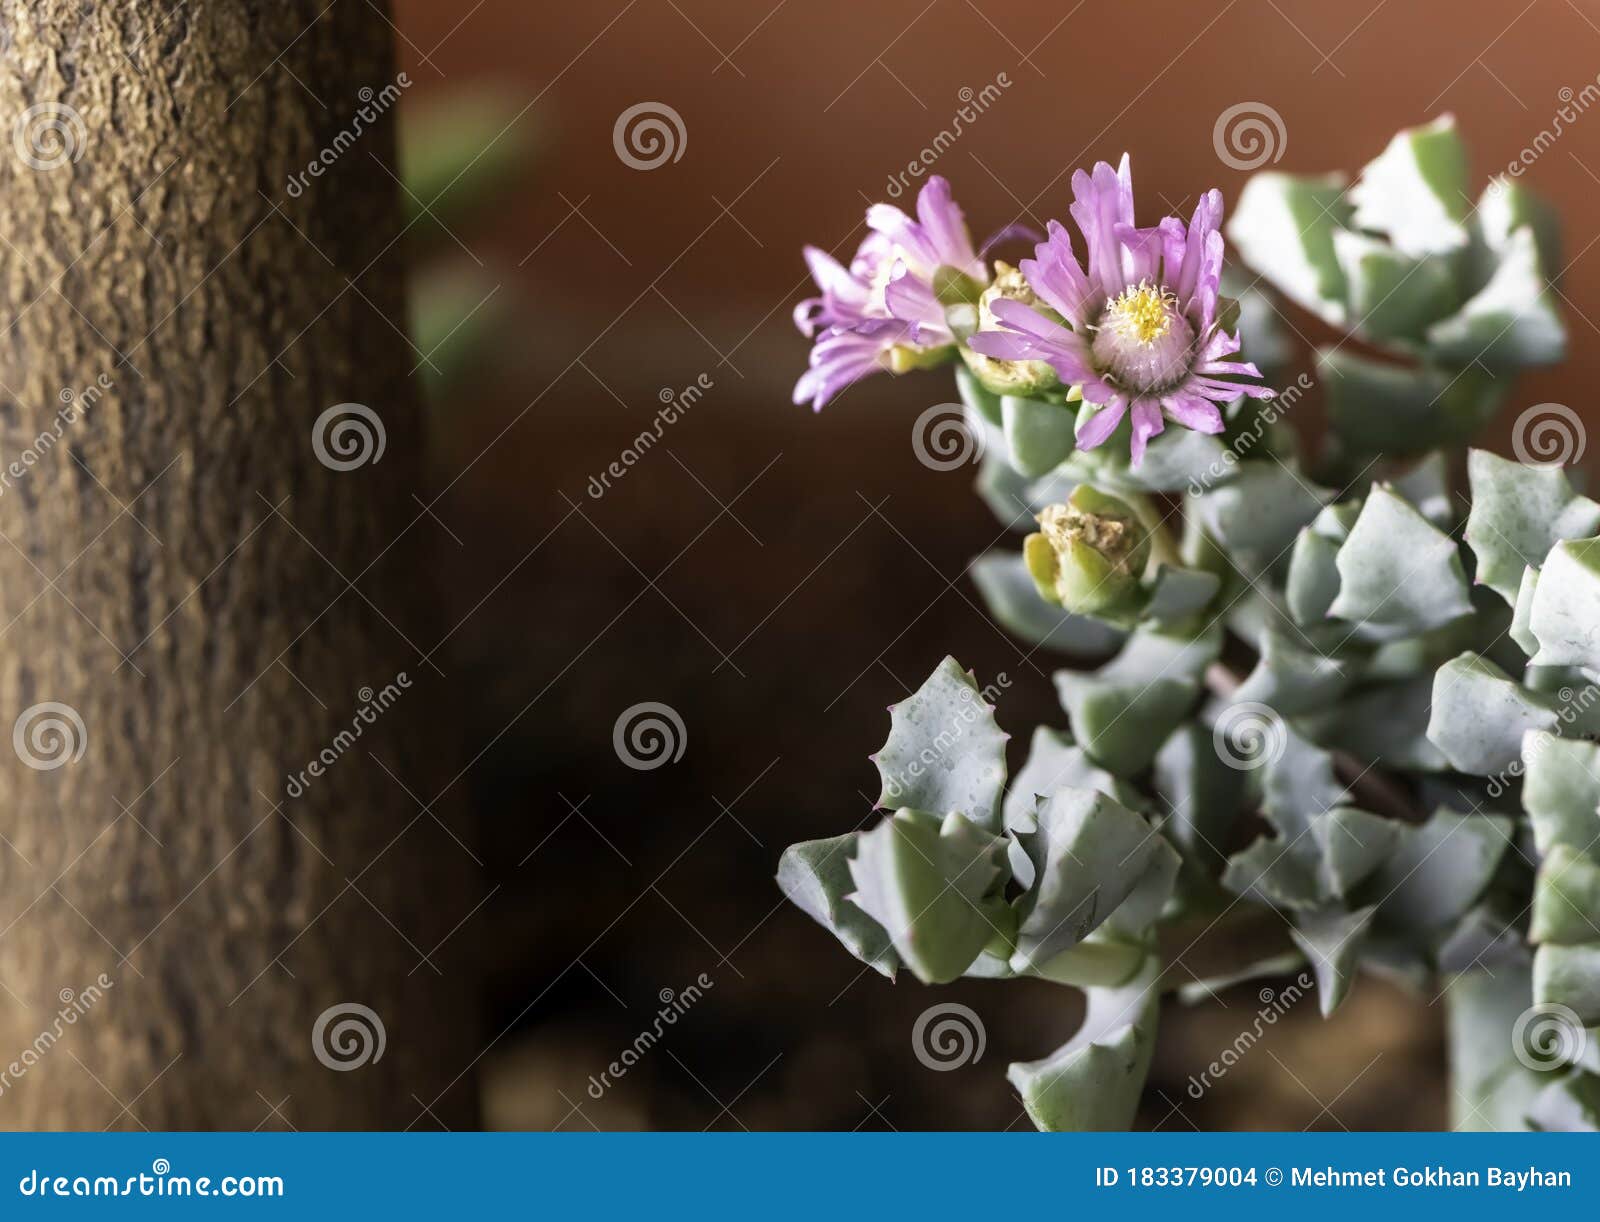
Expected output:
{"points": [[1143, 341]]}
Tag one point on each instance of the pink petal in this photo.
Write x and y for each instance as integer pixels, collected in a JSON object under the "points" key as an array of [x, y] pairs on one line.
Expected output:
{"points": [[1102, 424], [1193, 412], [1147, 422]]}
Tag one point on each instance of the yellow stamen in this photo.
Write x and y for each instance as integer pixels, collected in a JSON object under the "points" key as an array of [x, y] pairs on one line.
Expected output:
{"points": [[1143, 313]]}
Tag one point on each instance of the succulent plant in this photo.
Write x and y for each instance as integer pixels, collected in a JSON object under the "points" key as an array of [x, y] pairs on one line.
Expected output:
{"points": [[1387, 657]]}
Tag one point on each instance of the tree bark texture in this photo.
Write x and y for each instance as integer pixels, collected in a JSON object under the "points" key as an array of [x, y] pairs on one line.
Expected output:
{"points": [[194, 604]]}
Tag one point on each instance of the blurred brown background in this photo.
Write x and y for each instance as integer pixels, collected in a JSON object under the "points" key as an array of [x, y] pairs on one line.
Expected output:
{"points": [[779, 578]]}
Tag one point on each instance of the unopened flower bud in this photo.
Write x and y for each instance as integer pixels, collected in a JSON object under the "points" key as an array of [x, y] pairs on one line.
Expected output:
{"points": [[1019, 378], [1089, 554]]}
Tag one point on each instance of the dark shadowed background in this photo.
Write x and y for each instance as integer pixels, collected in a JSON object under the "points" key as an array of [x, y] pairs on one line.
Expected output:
{"points": [[778, 578]]}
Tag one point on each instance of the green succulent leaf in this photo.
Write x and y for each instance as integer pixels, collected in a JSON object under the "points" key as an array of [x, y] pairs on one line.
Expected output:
{"points": [[1013, 600], [1332, 942], [1518, 514], [815, 875], [1415, 190], [1292, 678], [1039, 435], [1203, 795], [945, 753], [934, 886], [1480, 715], [1510, 322], [1394, 296], [1561, 791], [1440, 868], [1378, 407], [1569, 976], [1123, 712], [1088, 853], [1313, 580], [1562, 617], [1256, 516], [1093, 1082], [1566, 898], [1283, 226], [1399, 574]]}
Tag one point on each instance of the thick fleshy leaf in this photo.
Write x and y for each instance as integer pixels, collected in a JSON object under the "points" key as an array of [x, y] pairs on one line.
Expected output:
{"points": [[1291, 678], [1427, 487], [1512, 321], [1440, 868], [1561, 792], [1283, 227], [1518, 514], [1088, 852], [1569, 976], [1385, 723], [1123, 712], [815, 875], [1277, 871], [1563, 617], [1056, 762], [1415, 190], [1179, 593], [1398, 573], [945, 753], [1491, 1090], [1480, 715], [1507, 206], [1352, 844], [1299, 785], [1379, 407], [977, 398], [1038, 435], [1256, 516], [1571, 1104], [1093, 1082], [1566, 898], [933, 885], [1203, 795], [1394, 296], [1013, 599], [1332, 942], [1522, 618]]}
